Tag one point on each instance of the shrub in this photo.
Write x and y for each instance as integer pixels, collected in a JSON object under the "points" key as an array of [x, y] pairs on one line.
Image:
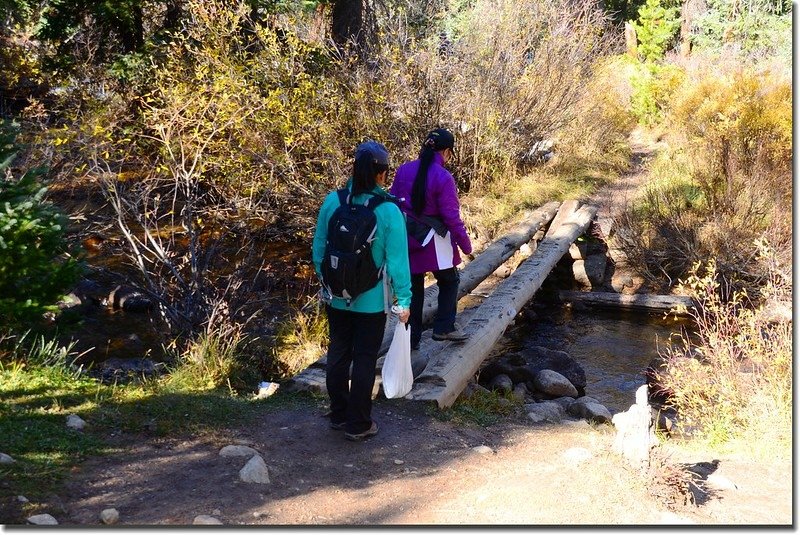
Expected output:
{"points": [[732, 379], [724, 181], [653, 87], [655, 28], [35, 267]]}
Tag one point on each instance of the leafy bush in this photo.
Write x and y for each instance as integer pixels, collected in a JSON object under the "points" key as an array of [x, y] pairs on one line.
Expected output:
{"points": [[653, 87], [732, 379], [34, 273]]}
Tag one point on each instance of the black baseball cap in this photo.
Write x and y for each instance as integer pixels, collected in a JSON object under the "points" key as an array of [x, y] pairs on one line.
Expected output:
{"points": [[442, 139]]}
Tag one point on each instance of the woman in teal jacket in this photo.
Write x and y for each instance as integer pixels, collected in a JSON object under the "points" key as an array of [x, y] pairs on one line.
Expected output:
{"points": [[356, 326]]}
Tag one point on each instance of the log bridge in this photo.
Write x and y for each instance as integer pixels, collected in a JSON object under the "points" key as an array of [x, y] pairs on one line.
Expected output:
{"points": [[442, 370]]}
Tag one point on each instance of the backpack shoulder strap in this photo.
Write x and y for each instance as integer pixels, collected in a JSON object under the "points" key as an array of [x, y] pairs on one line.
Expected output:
{"points": [[344, 195]]}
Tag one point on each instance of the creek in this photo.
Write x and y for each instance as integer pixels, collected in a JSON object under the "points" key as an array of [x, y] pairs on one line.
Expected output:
{"points": [[613, 347]]}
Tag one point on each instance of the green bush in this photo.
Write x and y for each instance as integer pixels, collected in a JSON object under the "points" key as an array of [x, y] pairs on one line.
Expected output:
{"points": [[653, 86], [656, 28], [34, 272]]}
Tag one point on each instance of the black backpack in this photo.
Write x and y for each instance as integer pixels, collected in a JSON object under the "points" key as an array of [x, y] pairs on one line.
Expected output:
{"points": [[348, 268]]}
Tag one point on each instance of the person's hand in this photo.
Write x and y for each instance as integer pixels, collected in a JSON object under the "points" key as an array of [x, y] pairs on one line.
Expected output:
{"points": [[403, 315]]}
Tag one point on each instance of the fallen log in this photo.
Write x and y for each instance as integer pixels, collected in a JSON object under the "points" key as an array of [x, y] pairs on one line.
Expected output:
{"points": [[451, 368], [677, 305]]}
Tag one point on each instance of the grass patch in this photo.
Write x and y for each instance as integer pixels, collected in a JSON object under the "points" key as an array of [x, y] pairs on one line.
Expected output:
{"points": [[482, 409], [36, 398]]}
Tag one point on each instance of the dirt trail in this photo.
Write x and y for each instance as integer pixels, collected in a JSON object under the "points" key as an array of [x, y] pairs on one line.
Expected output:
{"points": [[418, 470]]}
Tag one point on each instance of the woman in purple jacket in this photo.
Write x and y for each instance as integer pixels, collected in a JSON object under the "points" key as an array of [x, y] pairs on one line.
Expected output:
{"points": [[428, 198]]}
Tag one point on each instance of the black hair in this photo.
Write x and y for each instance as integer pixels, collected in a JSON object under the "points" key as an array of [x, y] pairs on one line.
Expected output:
{"points": [[421, 180], [365, 170]]}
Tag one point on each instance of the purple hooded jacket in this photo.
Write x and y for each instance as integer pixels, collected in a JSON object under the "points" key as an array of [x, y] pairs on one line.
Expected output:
{"points": [[441, 200]]}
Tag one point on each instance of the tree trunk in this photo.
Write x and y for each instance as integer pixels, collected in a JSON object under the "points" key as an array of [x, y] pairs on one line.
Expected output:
{"points": [[676, 304], [347, 22], [455, 364]]}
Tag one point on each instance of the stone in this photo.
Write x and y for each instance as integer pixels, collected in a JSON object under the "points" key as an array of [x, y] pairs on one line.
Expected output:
{"points": [[22, 499], [595, 268], [255, 471], [42, 520], [545, 411], [540, 358], [75, 422], [399, 461], [520, 392], [580, 275], [595, 413], [237, 451], [553, 383], [501, 382], [206, 520], [564, 401], [109, 516], [720, 482], [483, 449], [266, 389], [6, 459], [471, 389]]}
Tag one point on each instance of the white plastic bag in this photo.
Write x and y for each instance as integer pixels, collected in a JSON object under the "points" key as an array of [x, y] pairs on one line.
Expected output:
{"points": [[396, 374]]}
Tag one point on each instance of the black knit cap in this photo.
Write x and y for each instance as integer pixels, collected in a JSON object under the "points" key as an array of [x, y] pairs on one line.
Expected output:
{"points": [[440, 139]]}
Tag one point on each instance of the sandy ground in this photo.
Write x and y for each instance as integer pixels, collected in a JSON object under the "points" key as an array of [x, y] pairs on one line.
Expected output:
{"points": [[418, 470]]}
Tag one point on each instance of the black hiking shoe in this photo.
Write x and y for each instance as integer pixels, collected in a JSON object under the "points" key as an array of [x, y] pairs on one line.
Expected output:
{"points": [[358, 437], [456, 335]]}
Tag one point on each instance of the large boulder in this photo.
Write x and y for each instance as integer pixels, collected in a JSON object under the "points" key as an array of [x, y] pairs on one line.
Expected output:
{"points": [[541, 358], [554, 384]]}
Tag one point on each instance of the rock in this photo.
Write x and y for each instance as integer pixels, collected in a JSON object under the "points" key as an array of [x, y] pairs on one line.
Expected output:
{"points": [[266, 389], [541, 358], [129, 299], [593, 412], [42, 520], [89, 291], [237, 451], [545, 411], [577, 250], [471, 389], [69, 301], [580, 275], [6, 459], [520, 392], [483, 449], [502, 383], [75, 422], [564, 401], [595, 267], [399, 461], [255, 471], [109, 516], [720, 482], [577, 455], [554, 384], [22, 499], [206, 520]]}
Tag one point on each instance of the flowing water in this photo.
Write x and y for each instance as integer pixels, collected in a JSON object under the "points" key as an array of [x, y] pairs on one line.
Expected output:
{"points": [[614, 348]]}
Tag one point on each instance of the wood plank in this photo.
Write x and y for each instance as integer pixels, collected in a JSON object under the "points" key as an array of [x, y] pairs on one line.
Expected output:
{"points": [[451, 368], [677, 305]]}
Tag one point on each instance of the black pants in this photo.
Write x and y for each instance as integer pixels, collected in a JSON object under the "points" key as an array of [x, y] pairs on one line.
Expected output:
{"points": [[355, 338], [447, 280]]}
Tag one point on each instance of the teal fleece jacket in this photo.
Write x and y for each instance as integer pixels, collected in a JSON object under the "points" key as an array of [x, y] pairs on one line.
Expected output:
{"points": [[390, 248]]}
